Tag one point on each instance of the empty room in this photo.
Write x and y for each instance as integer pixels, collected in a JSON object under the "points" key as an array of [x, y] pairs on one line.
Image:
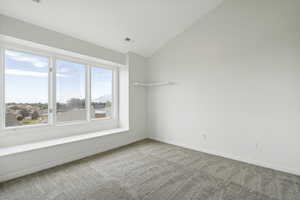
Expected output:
{"points": [[150, 100]]}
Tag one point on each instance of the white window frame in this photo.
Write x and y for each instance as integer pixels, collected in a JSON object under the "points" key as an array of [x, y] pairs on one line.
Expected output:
{"points": [[21, 50], [114, 93], [54, 54]]}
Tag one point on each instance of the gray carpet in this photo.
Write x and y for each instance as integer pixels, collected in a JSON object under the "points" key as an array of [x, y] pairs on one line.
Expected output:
{"points": [[151, 170]]}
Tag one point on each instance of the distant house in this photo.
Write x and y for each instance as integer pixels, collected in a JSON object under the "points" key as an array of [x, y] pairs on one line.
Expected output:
{"points": [[100, 114]]}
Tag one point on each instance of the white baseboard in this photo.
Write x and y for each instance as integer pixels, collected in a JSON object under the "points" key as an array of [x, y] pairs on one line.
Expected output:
{"points": [[71, 158], [233, 157]]}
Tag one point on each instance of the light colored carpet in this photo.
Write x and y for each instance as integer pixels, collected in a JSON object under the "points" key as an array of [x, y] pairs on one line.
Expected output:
{"points": [[151, 170]]}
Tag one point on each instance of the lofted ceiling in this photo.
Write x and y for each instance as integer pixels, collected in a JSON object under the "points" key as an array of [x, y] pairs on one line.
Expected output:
{"points": [[149, 23]]}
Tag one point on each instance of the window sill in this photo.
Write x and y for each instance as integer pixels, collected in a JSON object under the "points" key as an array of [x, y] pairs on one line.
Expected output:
{"points": [[55, 142]]}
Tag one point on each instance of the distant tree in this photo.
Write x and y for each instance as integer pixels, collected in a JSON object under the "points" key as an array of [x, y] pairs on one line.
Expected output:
{"points": [[108, 104], [35, 115], [19, 117], [24, 113]]}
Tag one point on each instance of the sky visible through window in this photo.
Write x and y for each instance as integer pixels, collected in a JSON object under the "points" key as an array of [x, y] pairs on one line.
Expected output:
{"points": [[101, 106], [27, 90], [26, 78], [101, 79], [70, 82], [23, 71]]}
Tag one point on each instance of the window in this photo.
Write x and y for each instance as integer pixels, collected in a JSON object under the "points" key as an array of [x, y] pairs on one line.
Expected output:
{"points": [[26, 89], [101, 92], [70, 91], [51, 89]]}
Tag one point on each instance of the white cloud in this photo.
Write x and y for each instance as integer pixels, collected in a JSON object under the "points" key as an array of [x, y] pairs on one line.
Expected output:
{"points": [[61, 75], [18, 72], [25, 58], [64, 70]]}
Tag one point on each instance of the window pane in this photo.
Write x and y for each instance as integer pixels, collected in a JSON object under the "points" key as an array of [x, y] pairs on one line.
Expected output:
{"points": [[26, 89], [70, 91], [101, 92]]}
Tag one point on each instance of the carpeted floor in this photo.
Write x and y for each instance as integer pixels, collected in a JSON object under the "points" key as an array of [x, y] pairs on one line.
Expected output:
{"points": [[151, 170]]}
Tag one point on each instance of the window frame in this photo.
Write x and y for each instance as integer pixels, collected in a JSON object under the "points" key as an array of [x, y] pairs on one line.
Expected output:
{"points": [[114, 93], [73, 60], [53, 56], [11, 48]]}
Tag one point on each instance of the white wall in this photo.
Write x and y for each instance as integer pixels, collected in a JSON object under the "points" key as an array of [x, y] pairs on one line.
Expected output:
{"points": [[19, 164], [25, 31], [237, 90]]}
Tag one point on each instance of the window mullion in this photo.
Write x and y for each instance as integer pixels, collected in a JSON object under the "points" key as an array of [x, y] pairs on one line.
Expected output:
{"points": [[88, 92], [115, 103], [53, 91], [2, 86], [50, 103]]}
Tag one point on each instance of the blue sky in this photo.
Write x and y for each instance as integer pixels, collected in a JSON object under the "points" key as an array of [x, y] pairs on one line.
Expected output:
{"points": [[26, 79]]}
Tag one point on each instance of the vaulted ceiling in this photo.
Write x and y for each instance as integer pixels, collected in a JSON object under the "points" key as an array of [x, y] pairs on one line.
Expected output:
{"points": [[149, 23]]}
